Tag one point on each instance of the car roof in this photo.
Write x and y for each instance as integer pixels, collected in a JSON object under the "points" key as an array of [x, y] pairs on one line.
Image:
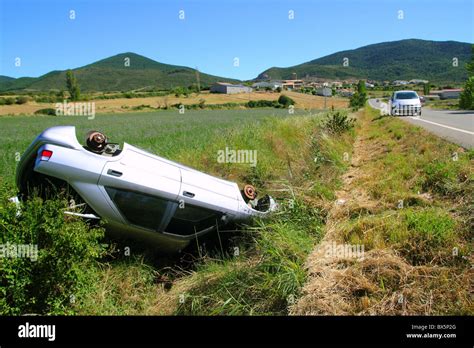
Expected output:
{"points": [[405, 90]]}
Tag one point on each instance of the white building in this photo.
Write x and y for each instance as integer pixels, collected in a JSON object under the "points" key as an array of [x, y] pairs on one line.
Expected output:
{"points": [[263, 85], [229, 88]]}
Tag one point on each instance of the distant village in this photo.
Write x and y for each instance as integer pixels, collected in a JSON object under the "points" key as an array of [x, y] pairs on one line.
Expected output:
{"points": [[329, 88]]}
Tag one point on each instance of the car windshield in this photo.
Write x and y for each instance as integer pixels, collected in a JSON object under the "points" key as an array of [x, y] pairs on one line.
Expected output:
{"points": [[406, 95]]}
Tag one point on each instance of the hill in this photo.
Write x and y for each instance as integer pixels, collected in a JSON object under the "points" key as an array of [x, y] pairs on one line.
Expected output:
{"points": [[111, 74], [396, 60]]}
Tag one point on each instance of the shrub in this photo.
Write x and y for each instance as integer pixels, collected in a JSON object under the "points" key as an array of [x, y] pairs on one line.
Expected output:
{"points": [[261, 103], [46, 111], [338, 122], [67, 250], [286, 101], [22, 100], [466, 100], [9, 101]]}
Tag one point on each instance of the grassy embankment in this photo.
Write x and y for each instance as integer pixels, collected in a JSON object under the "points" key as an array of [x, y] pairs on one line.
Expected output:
{"points": [[257, 271], [408, 200]]}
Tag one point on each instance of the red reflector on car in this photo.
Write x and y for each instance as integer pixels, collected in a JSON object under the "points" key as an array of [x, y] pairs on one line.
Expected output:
{"points": [[46, 155]]}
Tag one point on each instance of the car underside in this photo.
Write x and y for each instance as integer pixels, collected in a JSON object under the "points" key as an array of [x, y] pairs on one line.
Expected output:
{"points": [[137, 194]]}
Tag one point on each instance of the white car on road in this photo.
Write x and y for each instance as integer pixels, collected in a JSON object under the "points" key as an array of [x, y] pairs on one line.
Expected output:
{"points": [[405, 103]]}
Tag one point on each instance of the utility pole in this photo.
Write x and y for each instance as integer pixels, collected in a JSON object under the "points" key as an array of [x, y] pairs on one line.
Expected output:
{"points": [[197, 79], [325, 84]]}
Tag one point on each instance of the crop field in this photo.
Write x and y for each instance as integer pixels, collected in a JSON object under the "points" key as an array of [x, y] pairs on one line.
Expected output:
{"points": [[166, 133]]}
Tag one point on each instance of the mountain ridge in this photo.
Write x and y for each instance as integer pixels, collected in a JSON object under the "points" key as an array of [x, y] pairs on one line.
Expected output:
{"points": [[401, 59], [121, 72], [392, 60]]}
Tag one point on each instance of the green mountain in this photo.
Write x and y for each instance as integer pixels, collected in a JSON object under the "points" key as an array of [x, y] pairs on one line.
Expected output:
{"points": [[396, 60], [113, 74]]}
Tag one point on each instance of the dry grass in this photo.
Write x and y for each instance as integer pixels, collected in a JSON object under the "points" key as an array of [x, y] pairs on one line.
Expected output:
{"points": [[303, 101], [382, 283], [404, 270]]}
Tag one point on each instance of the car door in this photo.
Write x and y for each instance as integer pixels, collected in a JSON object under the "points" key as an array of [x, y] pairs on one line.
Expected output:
{"points": [[142, 187]]}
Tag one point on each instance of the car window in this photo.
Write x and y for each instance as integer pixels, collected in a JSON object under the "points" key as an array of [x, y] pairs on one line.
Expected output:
{"points": [[191, 219], [406, 95], [138, 208]]}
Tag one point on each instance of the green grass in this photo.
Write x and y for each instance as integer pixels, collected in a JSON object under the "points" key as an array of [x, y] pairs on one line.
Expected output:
{"points": [[429, 232], [268, 273], [421, 235], [166, 133]]}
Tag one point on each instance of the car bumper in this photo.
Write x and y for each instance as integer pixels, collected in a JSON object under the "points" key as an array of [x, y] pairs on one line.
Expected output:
{"points": [[406, 110]]}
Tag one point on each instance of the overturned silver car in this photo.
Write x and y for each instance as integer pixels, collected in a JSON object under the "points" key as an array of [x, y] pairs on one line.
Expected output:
{"points": [[138, 194]]}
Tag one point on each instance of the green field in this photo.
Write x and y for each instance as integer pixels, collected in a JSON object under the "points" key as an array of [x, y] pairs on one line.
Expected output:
{"points": [[166, 133]]}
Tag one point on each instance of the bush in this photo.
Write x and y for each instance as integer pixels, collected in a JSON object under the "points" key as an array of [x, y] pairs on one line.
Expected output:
{"points": [[466, 100], [9, 101], [261, 103], [338, 122], [66, 252], [21, 100], [286, 101], [47, 111]]}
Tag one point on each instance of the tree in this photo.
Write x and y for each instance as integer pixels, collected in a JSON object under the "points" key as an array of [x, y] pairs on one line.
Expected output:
{"points": [[361, 88], [285, 100], [470, 65], [359, 98], [426, 88], [72, 86], [466, 100]]}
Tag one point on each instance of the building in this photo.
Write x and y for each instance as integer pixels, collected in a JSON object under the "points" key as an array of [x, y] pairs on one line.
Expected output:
{"points": [[345, 93], [400, 83], [447, 93], [418, 82], [229, 88], [324, 92], [264, 84], [292, 84]]}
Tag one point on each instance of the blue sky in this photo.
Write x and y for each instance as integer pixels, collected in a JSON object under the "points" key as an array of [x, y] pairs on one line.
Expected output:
{"points": [[259, 32]]}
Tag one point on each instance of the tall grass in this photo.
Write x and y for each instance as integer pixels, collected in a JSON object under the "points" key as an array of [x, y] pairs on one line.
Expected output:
{"points": [[267, 273]]}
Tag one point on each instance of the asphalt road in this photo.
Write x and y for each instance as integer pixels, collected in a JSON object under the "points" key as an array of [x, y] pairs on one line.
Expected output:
{"points": [[456, 126]]}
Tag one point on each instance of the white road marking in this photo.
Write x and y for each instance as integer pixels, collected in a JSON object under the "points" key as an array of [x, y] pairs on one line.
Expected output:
{"points": [[442, 125]]}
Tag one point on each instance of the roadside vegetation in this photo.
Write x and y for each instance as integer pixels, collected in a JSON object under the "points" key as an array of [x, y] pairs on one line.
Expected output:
{"points": [[259, 270], [466, 100], [359, 98], [402, 193], [407, 199]]}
